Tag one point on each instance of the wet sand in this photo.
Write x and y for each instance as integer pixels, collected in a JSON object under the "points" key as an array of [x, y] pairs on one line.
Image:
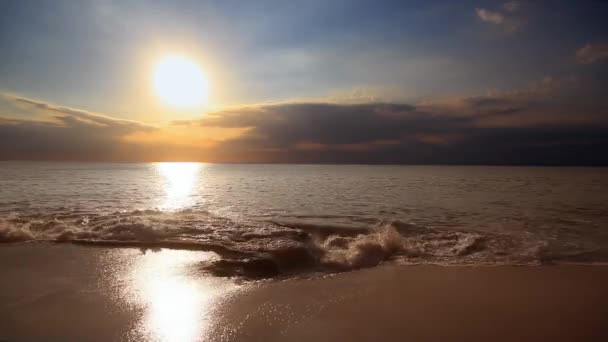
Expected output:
{"points": [[428, 303], [73, 293]]}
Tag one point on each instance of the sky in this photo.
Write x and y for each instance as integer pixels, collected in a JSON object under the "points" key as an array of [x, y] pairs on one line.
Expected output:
{"points": [[413, 82]]}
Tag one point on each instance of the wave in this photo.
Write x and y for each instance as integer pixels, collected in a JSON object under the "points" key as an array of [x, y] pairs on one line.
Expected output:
{"points": [[283, 249]]}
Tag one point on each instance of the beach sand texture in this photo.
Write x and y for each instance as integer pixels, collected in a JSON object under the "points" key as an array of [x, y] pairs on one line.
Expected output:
{"points": [[72, 293]]}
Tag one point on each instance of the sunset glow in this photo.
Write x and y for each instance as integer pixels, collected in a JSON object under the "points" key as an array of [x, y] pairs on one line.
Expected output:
{"points": [[303, 170], [421, 82]]}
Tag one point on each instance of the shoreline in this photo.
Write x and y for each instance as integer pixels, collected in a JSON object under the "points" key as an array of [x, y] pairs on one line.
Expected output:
{"points": [[69, 292]]}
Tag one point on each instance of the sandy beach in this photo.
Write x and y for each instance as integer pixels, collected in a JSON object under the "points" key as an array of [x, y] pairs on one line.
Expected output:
{"points": [[303, 171], [74, 293], [427, 303]]}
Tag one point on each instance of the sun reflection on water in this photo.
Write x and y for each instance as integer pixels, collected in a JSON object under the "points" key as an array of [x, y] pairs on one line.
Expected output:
{"points": [[178, 302], [179, 182]]}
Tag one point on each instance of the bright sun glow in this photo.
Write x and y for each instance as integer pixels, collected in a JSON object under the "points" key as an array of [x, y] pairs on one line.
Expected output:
{"points": [[179, 82]]}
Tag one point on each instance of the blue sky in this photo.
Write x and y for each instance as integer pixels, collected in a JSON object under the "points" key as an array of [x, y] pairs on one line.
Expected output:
{"points": [[86, 53], [95, 56]]}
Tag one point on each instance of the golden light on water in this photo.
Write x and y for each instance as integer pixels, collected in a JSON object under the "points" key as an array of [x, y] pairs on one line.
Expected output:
{"points": [[179, 82], [178, 302], [180, 180]]}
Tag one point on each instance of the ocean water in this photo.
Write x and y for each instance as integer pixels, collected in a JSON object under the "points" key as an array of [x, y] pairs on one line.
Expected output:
{"points": [[286, 220]]}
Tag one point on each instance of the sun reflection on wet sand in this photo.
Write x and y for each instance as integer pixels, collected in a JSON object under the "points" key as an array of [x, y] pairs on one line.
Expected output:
{"points": [[180, 181], [177, 301]]}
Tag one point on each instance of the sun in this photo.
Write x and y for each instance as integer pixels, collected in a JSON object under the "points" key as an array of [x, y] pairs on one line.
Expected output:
{"points": [[179, 82]]}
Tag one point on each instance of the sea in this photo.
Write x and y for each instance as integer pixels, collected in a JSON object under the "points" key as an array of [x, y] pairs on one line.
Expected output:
{"points": [[280, 220]]}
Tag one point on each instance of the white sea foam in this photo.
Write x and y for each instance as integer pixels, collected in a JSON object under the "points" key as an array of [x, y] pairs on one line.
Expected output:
{"points": [[283, 220], [270, 249]]}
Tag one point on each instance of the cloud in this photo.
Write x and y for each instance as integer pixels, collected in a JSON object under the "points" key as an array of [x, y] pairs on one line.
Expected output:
{"points": [[592, 53], [469, 133], [505, 19], [76, 117], [63, 133], [524, 126], [490, 16], [531, 125], [37, 130]]}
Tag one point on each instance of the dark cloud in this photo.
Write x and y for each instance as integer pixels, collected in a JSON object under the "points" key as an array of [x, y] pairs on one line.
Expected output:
{"points": [[67, 134], [490, 106], [328, 123], [498, 129], [518, 127], [592, 53]]}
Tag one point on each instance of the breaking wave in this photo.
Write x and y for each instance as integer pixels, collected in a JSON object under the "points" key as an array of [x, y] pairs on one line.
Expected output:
{"points": [[281, 249]]}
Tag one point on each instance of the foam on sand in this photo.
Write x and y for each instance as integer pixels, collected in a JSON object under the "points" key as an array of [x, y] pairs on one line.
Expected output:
{"points": [[282, 249]]}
